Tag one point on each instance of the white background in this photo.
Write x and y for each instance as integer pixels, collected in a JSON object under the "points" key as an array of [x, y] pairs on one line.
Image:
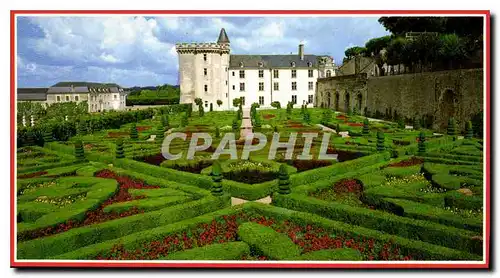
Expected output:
{"points": [[8, 5]]}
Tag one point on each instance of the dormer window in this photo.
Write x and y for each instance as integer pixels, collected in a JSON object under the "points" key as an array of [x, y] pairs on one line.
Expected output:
{"points": [[241, 64], [261, 64], [309, 64], [293, 64]]}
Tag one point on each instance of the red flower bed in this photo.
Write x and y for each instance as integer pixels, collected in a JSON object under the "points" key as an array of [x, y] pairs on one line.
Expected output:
{"points": [[117, 134], [98, 215], [406, 163], [348, 186], [304, 165], [32, 175], [268, 116], [354, 124], [156, 159], [224, 229], [143, 128]]}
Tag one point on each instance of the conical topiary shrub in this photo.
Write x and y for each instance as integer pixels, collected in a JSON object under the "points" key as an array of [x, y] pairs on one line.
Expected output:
{"points": [[165, 121], [216, 189], [211, 107], [189, 110], [120, 153], [79, 152], [366, 128], [380, 141], [185, 120], [160, 134], [217, 132], [30, 140], [283, 180], [469, 132], [337, 128], [421, 143], [451, 127], [133, 132], [47, 136], [235, 126]]}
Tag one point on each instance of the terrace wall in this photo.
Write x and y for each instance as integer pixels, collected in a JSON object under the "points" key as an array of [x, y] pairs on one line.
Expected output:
{"points": [[443, 94]]}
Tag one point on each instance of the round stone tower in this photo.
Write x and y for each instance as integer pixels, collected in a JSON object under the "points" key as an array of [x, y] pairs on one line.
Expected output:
{"points": [[203, 72]]}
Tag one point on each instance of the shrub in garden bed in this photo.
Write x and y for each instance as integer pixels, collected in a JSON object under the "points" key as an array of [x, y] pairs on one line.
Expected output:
{"points": [[192, 166], [100, 214], [72, 240], [415, 229], [219, 251], [409, 162], [301, 241], [344, 191], [304, 165], [344, 155]]}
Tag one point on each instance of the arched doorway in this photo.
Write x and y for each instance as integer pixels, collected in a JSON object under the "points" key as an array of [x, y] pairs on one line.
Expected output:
{"points": [[347, 102], [359, 102], [337, 101], [447, 106]]}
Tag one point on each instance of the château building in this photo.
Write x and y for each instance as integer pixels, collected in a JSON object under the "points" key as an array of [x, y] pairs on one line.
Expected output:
{"points": [[99, 96], [208, 71]]}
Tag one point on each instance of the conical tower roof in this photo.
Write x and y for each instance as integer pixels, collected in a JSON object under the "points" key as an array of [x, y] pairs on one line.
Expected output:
{"points": [[223, 37]]}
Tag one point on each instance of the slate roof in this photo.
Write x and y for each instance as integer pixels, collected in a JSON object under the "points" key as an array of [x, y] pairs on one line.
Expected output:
{"points": [[223, 37], [84, 87], [31, 94], [272, 61], [85, 84]]}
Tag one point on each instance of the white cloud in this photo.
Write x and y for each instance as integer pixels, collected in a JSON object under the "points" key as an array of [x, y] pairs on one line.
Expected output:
{"points": [[129, 50]]}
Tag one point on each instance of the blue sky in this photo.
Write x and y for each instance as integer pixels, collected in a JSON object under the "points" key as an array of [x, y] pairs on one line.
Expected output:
{"points": [[137, 50]]}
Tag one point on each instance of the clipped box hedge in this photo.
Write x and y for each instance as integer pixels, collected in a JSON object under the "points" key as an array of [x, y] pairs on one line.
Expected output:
{"points": [[422, 249], [383, 221], [266, 241], [221, 251], [431, 213], [147, 204], [73, 239], [340, 254], [137, 239]]}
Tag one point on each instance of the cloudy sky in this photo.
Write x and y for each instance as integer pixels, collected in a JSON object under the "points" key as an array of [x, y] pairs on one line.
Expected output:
{"points": [[140, 50]]}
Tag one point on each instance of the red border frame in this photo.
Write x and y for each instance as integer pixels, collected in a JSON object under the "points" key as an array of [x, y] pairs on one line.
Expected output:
{"points": [[104, 264]]}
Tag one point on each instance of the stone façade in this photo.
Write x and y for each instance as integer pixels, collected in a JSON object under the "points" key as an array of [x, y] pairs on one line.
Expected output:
{"points": [[439, 95]]}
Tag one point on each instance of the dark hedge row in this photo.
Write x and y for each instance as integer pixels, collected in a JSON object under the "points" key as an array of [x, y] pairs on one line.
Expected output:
{"points": [[62, 131]]}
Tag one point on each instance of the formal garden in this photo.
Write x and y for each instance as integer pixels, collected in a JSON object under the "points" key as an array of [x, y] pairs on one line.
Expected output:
{"points": [[97, 187]]}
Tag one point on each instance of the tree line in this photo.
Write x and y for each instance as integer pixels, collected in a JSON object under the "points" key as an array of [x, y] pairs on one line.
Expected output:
{"points": [[425, 43]]}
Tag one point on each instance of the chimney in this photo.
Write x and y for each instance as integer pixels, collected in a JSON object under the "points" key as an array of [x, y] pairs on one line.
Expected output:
{"points": [[301, 51]]}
